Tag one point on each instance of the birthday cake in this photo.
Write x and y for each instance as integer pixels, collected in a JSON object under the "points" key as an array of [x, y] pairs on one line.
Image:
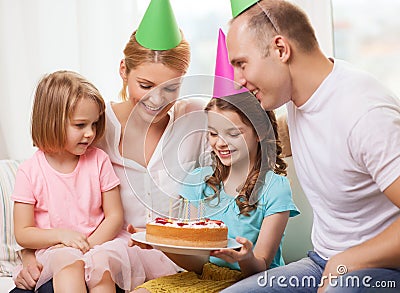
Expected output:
{"points": [[199, 233]]}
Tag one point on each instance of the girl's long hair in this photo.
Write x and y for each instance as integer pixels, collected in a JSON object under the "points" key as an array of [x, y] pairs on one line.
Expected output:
{"points": [[269, 149]]}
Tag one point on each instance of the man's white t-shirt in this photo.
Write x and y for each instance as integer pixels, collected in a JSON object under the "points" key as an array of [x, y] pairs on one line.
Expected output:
{"points": [[346, 149]]}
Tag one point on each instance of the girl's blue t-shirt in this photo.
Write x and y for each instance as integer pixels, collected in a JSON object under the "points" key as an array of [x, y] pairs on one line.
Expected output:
{"points": [[275, 196]]}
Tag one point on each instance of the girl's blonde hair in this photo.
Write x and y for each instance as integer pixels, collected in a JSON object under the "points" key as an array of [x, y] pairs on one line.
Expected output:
{"points": [[269, 149], [177, 58], [56, 97]]}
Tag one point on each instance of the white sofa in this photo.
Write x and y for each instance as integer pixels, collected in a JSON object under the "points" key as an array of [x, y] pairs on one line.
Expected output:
{"points": [[6, 284], [8, 245], [296, 242]]}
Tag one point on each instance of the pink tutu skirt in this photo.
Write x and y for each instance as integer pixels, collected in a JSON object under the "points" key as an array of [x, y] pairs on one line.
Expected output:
{"points": [[128, 266]]}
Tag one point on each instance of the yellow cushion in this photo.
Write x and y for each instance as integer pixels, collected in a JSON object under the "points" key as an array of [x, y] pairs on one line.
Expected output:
{"points": [[213, 279]]}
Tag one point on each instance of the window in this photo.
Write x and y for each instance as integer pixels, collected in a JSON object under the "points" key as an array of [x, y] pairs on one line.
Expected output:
{"points": [[366, 33]]}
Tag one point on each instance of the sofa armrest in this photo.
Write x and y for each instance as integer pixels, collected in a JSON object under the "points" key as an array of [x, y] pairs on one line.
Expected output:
{"points": [[8, 246]]}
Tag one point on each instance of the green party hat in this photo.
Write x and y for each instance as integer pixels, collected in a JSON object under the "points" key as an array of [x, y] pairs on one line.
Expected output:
{"points": [[238, 6], [158, 29]]}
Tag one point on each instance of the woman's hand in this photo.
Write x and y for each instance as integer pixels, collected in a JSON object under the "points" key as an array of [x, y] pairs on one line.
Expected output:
{"points": [[31, 269], [132, 242], [73, 239], [231, 255]]}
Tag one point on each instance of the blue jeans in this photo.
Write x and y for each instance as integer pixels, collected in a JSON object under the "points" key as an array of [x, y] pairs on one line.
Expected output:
{"points": [[367, 280], [301, 276], [305, 275], [48, 288], [45, 288]]}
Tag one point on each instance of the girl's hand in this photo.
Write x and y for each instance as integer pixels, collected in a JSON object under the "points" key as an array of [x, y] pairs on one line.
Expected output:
{"points": [[74, 239], [231, 255], [131, 242]]}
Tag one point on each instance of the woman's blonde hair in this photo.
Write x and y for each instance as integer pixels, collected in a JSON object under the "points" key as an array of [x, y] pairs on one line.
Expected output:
{"points": [[269, 149], [177, 58], [56, 97]]}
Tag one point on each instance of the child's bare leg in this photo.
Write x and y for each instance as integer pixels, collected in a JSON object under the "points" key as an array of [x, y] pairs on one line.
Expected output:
{"points": [[70, 279], [105, 285]]}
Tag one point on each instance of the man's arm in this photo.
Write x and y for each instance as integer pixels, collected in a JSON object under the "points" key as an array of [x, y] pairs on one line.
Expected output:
{"points": [[381, 251]]}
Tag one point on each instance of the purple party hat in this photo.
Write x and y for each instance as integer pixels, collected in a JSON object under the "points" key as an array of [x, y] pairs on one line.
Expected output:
{"points": [[223, 81]]}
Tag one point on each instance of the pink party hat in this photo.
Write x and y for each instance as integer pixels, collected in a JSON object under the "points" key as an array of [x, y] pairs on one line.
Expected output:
{"points": [[224, 85]]}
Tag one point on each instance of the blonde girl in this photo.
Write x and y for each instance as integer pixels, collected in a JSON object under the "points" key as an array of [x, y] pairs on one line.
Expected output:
{"points": [[66, 199]]}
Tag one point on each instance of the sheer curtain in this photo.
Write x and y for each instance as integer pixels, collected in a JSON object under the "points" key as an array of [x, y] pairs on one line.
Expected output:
{"points": [[42, 36], [88, 36]]}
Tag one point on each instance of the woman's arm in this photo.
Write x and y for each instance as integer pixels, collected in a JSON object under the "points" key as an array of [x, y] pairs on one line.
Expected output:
{"points": [[269, 239], [113, 218], [191, 263], [29, 236]]}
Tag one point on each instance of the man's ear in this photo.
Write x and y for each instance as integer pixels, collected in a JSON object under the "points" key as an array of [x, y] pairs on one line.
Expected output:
{"points": [[122, 70], [282, 48]]}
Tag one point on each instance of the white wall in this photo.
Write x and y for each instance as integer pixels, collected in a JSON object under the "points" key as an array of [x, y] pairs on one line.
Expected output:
{"points": [[320, 14]]}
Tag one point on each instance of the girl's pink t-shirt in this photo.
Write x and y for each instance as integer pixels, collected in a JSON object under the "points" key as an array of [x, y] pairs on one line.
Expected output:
{"points": [[69, 201]]}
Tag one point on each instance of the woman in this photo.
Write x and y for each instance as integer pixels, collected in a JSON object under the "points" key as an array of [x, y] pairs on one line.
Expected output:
{"points": [[147, 138]]}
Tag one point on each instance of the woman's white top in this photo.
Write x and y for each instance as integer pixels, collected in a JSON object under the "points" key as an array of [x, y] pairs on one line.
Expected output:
{"points": [[148, 192]]}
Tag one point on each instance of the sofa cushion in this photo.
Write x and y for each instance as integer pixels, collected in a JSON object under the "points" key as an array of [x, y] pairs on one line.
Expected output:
{"points": [[8, 245]]}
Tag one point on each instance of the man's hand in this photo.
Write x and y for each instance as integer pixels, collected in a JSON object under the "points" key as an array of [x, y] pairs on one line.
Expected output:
{"points": [[337, 265]]}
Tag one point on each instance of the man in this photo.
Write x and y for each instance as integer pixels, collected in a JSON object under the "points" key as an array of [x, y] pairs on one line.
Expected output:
{"points": [[345, 139]]}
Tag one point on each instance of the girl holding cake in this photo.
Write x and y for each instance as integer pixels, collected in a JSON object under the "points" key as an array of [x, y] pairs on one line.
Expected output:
{"points": [[245, 188]]}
